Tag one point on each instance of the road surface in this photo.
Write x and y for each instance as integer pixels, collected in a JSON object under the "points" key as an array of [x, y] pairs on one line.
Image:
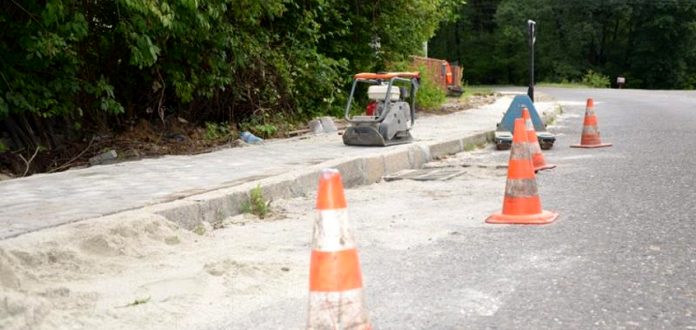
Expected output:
{"points": [[622, 254]]}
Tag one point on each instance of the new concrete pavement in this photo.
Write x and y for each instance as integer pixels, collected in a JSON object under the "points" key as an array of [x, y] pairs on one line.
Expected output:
{"points": [[209, 187]]}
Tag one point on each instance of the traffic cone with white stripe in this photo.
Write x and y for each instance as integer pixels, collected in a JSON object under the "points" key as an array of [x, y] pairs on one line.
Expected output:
{"points": [[538, 160], [590, 133], [521, 204], [336, 298]]}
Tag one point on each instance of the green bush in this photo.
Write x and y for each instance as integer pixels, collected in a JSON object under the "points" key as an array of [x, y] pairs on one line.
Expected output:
{"points": [[430, 95], [596, 79], [100, 64]]}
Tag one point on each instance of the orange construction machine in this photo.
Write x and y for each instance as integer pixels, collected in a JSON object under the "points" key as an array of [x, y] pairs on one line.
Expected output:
{"points": [[448, 76]]}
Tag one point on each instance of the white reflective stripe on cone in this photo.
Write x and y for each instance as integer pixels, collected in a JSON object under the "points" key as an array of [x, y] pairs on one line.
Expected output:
{"points": [[332, 231]]}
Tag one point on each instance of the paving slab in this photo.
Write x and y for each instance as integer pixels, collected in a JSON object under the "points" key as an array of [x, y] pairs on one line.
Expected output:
{"points": [[205, 187]]}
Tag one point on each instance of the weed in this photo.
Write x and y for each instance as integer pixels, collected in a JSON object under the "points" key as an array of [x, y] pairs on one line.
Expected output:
{"points": [[199, 229], [265, 125], [137, 302], [265, 129], [469, 147], [215, 131], [257, 203]]}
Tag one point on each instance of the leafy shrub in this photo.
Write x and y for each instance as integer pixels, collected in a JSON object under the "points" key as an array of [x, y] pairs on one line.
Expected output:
{"points": [[430, 95], [96, 64], [596, 79]]}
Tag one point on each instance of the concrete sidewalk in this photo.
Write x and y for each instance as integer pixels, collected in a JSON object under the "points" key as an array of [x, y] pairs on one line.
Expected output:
{"points": [[210, 187]]}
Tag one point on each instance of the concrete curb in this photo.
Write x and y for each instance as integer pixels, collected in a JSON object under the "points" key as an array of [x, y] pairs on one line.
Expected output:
{"points": [[214, 206]]}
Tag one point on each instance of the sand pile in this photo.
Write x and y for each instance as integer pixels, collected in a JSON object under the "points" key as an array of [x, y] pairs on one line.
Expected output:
{"points": [[42, 274], [140, 270]]}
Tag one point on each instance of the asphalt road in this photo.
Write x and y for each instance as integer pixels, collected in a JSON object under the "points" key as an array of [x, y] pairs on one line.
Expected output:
{"points": [[621, 255]]}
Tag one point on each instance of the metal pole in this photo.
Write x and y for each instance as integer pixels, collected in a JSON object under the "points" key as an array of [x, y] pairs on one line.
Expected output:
{"points": [[531, 33]]}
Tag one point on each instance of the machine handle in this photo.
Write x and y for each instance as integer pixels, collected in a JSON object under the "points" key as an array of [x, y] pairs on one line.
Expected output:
{"points": [[387, 75]]}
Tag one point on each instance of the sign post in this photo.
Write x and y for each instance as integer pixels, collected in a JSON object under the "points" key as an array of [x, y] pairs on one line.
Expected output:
{"points": [[620, 82], [531, 34]]}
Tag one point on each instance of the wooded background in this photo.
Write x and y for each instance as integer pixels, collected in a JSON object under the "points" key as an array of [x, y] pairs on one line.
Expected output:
{"points": [[72, 70], [650, 42]]}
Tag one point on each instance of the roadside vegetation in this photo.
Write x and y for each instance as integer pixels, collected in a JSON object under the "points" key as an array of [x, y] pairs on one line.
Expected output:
{"points": [[149, 78], [590, 80], [592, 42], [160, 77], [430, 95], [475, 91]]}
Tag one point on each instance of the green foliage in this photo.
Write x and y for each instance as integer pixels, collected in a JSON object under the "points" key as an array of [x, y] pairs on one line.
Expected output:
{"points": [[263, 124], [257, 203], [74, 66], [430, 95], [215, 131], [651, 43], [594, 79], [266, 130]]}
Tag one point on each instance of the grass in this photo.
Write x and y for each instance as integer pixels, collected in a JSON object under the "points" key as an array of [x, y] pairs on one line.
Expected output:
{"points": [[470, 91], [562, 85]]}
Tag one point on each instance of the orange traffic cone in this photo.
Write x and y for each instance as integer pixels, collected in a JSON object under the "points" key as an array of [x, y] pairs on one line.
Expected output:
{"points": [[521, 204], [590, 133], [538, 160], [335, 283]]}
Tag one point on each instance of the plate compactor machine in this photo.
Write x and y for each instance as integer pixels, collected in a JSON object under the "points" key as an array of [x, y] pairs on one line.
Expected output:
{"points": [[389, 116]]}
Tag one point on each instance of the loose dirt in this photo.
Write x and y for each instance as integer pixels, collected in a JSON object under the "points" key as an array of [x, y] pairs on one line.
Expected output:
{"points": [[149, 273]]}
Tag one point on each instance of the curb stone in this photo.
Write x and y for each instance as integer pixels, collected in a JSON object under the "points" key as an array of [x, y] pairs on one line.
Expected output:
{"points": [[215, 206]]}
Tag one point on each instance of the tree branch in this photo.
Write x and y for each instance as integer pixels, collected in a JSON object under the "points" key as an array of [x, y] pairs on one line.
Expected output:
{"points": [[28, 162]]}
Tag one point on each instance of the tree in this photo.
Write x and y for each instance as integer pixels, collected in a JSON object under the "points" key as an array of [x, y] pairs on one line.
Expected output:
{"points": [[80, 67], [652, 43]]}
